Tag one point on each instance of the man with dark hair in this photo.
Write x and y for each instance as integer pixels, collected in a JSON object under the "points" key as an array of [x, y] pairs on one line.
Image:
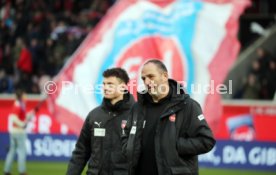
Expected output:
{"points": [[99, 141], [117, 72], [166, 130]]}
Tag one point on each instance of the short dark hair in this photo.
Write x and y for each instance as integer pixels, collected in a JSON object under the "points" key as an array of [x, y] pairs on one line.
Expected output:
{"points": [[117, 72], [19, 93], [159, 64]]}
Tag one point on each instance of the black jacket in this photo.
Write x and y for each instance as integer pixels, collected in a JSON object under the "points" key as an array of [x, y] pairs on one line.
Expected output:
{"points": [[181, 135], [99, 140]]}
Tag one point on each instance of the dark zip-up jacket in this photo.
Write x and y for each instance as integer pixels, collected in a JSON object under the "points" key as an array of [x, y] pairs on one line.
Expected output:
{"points": [[99, 142], [181, 134]]}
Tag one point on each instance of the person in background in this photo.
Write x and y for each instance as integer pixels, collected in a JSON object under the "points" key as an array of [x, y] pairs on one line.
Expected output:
{"points": [[99, 142], [271, 79], [19, 119], [251, 87], [6, 85], [166, 130]]}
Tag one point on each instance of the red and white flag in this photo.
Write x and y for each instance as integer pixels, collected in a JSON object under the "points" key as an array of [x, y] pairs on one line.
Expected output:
{"points": [[197, 40]]}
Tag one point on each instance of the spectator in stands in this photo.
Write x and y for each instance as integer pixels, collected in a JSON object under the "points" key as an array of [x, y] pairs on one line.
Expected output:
{"points": [[25, 63], [6, 85], [263, 57], [271, 79], [7, 61], [29, 83], [255, 68], [17, 49], [251, 89], [19, 120]]}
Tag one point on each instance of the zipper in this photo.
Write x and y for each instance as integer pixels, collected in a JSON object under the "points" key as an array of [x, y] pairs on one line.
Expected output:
{"points": [[174, 109], [167, 113], [110, 114], [135, 118]]}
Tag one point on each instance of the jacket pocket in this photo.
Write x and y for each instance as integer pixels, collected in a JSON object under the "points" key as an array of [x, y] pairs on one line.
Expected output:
{"points": [[169, 145], [119, 162]]}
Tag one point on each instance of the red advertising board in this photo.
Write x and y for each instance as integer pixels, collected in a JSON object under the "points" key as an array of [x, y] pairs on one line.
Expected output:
{"points": [[248, 121], [243, 121], [42, 123]]}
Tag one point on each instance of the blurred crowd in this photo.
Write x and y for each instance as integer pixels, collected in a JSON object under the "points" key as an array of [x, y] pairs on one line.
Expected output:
{"points": [[260, 82], [37, 37]]}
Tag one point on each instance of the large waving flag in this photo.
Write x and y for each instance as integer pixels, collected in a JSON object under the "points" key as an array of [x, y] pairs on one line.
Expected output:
{"points": [[197, 40]]}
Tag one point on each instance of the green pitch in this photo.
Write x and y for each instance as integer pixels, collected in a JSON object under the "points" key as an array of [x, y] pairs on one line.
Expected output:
{"points": [[59, 168]]}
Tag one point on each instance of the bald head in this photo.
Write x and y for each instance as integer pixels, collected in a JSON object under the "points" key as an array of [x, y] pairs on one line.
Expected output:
{"points": [[159, 64], [155, 77]]}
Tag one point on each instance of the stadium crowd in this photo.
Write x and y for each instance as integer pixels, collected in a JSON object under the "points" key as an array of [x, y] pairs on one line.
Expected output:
{"points": [[260, 82], [37, 37]]}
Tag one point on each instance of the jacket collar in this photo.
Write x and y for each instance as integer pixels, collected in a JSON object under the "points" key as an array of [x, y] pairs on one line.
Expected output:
{"points": [[121, 105]]}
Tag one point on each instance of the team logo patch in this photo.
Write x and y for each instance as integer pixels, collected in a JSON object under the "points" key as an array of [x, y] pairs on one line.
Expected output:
{"points": [[201, 117], [172, 118], [123, 124]]}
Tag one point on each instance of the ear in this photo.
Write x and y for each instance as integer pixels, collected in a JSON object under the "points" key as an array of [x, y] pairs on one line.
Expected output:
{"points": [[165, 76], [123, 87]]}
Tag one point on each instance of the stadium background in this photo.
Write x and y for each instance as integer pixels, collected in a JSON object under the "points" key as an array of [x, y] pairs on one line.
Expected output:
{"points": [[46, 33]]}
